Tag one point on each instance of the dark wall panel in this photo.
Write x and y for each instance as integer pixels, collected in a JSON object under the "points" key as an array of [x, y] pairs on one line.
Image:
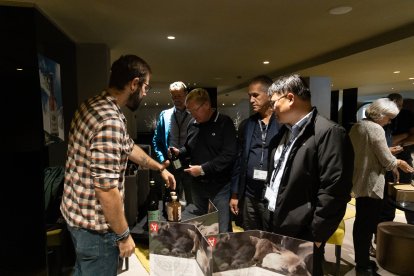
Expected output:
{"points": [[25, 33]]}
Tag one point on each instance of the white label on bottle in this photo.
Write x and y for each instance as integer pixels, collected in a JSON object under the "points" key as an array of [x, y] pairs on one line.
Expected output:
{"points": [[170, 215], [179, 213], [177, 164]]}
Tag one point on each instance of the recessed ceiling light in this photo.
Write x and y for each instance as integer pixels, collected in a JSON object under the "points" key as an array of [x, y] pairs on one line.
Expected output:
{"points": [[266, 62], [168, 103], [145, 103], [411, 78], [156, 104], [234, 104], [171, 37], [222, 104], [396, 72], [340, 10], [392, 88], [19, 69]]}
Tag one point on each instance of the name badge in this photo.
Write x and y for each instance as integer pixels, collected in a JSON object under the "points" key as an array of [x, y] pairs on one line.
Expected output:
{"points": [[259, 174]]}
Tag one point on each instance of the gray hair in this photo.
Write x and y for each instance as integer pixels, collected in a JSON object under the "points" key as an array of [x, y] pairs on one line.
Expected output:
{"points": [[290, 84], [381, 108], [178, 85]]}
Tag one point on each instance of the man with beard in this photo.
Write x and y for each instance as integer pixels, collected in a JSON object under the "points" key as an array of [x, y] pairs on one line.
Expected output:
{"points": [[98, 150]]}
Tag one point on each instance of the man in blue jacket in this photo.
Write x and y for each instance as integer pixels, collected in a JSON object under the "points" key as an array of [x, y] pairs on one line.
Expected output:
{"points": [[171, 131]]}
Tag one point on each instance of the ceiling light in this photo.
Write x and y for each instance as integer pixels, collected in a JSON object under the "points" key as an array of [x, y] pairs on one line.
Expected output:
{"points": [[392, 88], [222, 104], [19, 69], [234, 104], [340, 10], [145, 103], [411, 78], [170, 37], [266, 62], [168, 103], [396, 72]]}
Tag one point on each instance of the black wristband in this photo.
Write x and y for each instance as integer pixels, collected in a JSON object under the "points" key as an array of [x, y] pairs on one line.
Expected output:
{"points": [[123, 236]]}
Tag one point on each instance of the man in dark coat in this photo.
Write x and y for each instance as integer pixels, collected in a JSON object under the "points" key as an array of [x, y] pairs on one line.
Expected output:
{"points": [[310, 168]]}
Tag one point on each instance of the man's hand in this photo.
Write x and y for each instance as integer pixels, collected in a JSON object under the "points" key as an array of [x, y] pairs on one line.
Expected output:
{"points": [[396, 150], [168, 178], [126, 247], [194, 170], [234, 206]]}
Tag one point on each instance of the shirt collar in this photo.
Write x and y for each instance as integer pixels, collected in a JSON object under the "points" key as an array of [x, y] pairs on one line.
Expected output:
{"points": [[297, 128]]}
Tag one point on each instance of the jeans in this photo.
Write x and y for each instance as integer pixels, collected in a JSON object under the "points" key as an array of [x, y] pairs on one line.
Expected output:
{"points": [[220, 200], [96, 253]]}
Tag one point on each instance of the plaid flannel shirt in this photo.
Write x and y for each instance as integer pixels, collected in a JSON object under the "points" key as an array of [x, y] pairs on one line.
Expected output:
{"points": [[98, 151]]}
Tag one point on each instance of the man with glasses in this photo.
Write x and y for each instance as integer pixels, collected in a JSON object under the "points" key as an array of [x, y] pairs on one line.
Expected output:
{"points": [[98, 150], [211, 146], [310, 168], [171, 131], [254, 135]]}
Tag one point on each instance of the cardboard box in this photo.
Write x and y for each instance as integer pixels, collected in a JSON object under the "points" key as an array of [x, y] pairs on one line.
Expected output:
{"points": [[402, 192]]}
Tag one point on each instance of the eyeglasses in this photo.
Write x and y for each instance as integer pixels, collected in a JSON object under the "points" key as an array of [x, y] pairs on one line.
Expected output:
{"points": [[147, 87], [272, 103], [196, 109]]}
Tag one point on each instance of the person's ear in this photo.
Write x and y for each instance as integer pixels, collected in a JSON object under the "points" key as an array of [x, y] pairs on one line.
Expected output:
{"points": [[134, 84]]}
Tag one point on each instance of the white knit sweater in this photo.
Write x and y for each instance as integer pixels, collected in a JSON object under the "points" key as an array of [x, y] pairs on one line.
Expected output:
{"points": [[372, 159]]}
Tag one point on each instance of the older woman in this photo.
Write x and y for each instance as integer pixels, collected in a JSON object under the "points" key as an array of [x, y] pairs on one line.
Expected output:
{"points": [[372, 159]]}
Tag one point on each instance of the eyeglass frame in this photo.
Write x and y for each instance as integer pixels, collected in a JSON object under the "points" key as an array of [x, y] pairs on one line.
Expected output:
{"points": [[147, 87], [272, 103], [196, 109]]}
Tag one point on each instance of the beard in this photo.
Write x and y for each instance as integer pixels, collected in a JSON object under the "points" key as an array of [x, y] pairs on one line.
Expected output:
{"points": [[134, 100]]}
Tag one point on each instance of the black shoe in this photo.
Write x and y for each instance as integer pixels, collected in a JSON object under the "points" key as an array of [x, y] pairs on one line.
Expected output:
{"points": [[367, 271], [372, 251], [370, 270]]}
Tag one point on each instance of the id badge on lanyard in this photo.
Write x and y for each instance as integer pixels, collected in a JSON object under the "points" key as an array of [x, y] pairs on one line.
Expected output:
{"points": [[259, 174]]}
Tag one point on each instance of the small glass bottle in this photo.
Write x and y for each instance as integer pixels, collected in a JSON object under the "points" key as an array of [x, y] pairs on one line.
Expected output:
{"points": [[174, 210]]}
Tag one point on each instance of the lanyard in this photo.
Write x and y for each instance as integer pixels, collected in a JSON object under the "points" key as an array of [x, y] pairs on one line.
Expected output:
{"points": [[179, 125], [264, 134], [282, 157]]}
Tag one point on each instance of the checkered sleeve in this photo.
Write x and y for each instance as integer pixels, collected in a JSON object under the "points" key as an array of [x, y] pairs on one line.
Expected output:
{"points": [[106, 153]]}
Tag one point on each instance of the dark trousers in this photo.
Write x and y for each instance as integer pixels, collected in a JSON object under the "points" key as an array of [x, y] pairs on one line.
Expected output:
{"points": [[255, 214], [365, 225]]}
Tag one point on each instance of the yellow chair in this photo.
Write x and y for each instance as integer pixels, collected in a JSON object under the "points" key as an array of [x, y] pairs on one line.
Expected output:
{"points": [[337, 239]]}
